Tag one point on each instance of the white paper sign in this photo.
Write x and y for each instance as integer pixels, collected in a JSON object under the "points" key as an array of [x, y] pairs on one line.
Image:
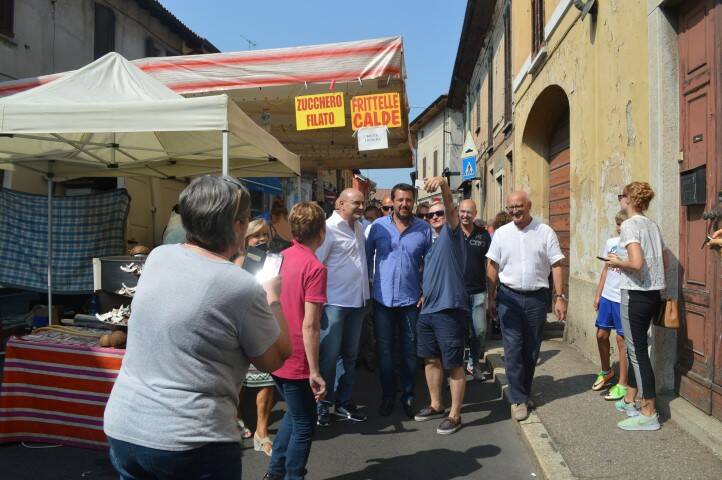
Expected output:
{"points": [[373, 138]]}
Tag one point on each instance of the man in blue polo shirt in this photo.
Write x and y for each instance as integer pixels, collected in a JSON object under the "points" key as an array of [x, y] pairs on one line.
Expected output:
{"points": [[442, 323], [397, 243]]}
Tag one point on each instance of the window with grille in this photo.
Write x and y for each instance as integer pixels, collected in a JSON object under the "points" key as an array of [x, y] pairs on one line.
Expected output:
{"points": [[7, 17], [436, 163], [537, 26], [423, 168], [104, 40]]}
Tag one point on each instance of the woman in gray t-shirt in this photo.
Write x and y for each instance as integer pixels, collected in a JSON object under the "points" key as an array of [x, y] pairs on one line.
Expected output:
{"points": [[197, 320], [641, 260]]}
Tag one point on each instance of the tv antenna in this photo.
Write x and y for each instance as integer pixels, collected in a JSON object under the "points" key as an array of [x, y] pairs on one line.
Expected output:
{"points": [[251, 43]]}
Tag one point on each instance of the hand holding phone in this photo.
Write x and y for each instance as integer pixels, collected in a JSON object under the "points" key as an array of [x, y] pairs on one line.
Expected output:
{"points": [[271, 267], [419, 183]]}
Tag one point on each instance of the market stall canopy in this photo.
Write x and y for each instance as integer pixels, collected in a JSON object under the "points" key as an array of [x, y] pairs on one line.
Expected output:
{"points": [[265, 82], [111, 119]]}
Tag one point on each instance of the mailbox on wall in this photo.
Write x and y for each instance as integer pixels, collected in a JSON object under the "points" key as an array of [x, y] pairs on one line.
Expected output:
{"points": [[693, 187]]}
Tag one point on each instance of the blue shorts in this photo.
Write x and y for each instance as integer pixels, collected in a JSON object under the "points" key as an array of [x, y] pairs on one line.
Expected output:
{"points": [[610, 316], [441, 335]]}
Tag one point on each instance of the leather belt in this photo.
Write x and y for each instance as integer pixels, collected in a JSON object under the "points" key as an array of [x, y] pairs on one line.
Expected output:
{"points": [[523, 292]]}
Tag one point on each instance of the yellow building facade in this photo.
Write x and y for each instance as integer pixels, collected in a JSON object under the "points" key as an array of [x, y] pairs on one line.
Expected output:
{"points": [[581, 117]]}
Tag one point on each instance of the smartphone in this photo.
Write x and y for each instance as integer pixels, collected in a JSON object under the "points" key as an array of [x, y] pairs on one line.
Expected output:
{"points": [[271, 267], [602, 258], [254, 260], [419, 184]]}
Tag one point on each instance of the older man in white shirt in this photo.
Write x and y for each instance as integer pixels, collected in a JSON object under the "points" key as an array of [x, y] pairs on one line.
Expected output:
{"points": [[344, 254], [521, 255]]}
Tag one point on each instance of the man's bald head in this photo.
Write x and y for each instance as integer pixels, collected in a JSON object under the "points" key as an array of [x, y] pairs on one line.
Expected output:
{"points": [[349, 194], [350, 204], [467, 212], [518, 196], [518, 205], [468, 204]]}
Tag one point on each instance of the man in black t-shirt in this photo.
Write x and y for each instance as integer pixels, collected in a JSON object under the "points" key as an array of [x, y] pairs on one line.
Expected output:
{"points": [[477, 244]]}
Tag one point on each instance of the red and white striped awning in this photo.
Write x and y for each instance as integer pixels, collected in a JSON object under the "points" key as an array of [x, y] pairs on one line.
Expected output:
{"points": [[335, 62], [264, 82]]}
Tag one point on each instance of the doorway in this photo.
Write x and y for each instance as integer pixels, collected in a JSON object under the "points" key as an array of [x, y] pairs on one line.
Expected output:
{"points": [[699, 360]]}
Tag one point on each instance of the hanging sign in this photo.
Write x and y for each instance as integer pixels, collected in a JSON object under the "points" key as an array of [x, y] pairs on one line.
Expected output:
{"points": [[372, 138], [376, 110], [468, 168], [324, 110]]}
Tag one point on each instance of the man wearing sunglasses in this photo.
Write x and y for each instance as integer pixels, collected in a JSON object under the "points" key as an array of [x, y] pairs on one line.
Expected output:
{"points": [[441, 327], [422, 211], [387, 206]]}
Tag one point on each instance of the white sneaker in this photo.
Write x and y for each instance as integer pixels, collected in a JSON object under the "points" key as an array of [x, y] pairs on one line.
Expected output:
{"points": [[640, 423], [629, 408]]}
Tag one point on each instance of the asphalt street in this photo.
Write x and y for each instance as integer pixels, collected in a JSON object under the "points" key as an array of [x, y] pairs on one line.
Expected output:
{"points": [[488, 446]]}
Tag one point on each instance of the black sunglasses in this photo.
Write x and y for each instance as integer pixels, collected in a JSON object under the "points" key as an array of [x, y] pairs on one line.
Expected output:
{"points": [[620, 197], [386, 208], [438, 213]]}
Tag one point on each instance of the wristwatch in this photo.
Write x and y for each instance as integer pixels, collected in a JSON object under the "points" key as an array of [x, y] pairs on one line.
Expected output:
{"points": [[562, 296]]}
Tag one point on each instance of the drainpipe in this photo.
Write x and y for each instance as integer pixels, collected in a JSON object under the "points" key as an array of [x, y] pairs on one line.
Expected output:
{"points": [[443, 148]]}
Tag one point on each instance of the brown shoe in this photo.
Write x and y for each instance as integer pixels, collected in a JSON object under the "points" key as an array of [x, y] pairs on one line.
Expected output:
{"points": [[519, 411]]}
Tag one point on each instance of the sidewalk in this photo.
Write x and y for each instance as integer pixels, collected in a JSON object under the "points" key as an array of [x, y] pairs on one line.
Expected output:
{"points": [[573, 433]]}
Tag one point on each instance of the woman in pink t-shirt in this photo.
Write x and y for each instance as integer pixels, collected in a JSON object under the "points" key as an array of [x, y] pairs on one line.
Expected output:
{"points": [[303, 294]]}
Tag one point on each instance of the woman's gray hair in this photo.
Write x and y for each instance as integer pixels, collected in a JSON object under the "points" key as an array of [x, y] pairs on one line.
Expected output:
{"points": [[209, 206]]}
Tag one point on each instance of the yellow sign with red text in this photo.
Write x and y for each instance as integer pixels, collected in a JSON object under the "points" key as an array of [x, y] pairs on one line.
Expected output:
{"points": [[376, 110], [324, 110]]}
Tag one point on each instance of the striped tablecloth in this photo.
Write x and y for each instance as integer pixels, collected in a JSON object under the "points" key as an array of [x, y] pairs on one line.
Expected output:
{"points": [[54, 389]]}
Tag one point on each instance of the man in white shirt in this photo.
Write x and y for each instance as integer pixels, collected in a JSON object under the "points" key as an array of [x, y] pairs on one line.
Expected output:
{"points": [[521, 255], [344, 254]]}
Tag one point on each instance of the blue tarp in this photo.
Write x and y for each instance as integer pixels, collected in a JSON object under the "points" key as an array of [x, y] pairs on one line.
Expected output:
{"points": [[84, 227], [270, 185]]}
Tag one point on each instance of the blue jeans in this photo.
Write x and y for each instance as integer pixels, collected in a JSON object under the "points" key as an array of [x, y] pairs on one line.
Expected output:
{"points": [[477, 325], [293, 440], [395, 329], [213, 461], [340, 337], [522, 317]]}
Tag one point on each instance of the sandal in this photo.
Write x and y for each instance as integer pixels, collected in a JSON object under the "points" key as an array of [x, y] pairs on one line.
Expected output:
{"points": [[263, 445], [245, 433]]}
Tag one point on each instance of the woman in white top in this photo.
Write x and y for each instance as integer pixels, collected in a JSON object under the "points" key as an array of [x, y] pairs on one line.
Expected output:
{"points": [[641, 260]]}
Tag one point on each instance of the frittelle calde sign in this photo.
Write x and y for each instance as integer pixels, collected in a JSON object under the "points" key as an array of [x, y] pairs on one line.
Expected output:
{"points": [[376, 110], [372, 138]]}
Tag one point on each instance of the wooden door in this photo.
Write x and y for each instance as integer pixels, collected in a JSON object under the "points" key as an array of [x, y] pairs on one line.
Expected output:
{"points": [[699, 363], [559, 190], [559, 202]]}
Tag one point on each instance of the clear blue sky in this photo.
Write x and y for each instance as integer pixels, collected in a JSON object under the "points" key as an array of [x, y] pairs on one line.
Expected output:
{"points": [[430, 29]]}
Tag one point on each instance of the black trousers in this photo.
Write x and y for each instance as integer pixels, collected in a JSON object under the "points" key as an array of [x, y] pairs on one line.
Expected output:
{"points": [[638, 309]]}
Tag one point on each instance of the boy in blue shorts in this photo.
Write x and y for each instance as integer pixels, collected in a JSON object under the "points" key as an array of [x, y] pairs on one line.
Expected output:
{"points": [[607, 304]]}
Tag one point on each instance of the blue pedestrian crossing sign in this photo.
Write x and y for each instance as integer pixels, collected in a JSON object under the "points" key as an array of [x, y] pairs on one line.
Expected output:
{"points": [[468, 168]]}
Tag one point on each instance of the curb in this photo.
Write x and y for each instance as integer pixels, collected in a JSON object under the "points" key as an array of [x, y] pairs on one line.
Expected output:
{"points": [[705, 429], [544, 451]]}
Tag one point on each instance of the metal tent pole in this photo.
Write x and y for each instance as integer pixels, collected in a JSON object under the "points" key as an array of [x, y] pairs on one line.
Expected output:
{"points": [[224, 170], [50, 248]]}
